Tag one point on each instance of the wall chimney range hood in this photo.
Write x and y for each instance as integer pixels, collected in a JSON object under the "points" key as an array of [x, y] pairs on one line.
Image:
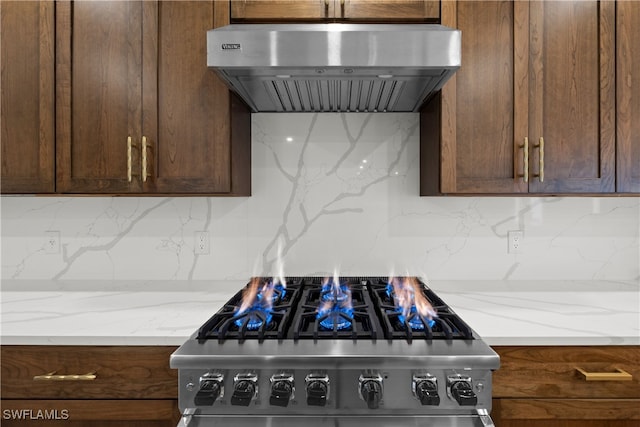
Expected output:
{"points": [[334, 67]]}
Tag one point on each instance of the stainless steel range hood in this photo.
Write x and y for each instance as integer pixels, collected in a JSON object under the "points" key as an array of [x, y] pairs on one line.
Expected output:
{"points": [[334, 67]]}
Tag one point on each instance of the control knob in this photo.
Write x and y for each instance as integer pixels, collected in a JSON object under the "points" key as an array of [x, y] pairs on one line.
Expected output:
{"points": [[317, 386], [245, 389], [370, 389], [211, 388], [461, 389], [282, 388], [425, 388]]}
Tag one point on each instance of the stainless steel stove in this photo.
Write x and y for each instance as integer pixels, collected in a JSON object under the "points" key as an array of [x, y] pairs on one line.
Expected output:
{"points": [[339, 352]]}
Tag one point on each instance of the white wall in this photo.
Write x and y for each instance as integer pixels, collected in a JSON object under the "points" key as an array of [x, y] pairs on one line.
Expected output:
{"points": [[342, 193]]}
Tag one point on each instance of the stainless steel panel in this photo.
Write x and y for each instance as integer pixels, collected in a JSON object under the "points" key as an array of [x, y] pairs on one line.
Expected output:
{"points": [[378, 421], [343, 354]]}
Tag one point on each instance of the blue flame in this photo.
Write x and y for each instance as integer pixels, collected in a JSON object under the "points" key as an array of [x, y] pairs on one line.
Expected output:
{"points": [[254, 317], [279, 291], [415, 321], [338, 294], [333, 317]]}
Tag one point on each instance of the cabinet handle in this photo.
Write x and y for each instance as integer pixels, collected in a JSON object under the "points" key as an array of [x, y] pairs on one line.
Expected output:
{"points": [[130, 144], [619, 375], [72, 377], [540, 146], [145, 175], [525, 167], [342, 8], [326, 8]]}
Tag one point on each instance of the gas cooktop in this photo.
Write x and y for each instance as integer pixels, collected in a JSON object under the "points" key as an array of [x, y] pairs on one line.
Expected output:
{"points": [[317, 308]]}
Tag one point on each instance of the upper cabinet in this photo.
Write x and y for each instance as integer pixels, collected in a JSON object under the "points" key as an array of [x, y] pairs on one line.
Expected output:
{"points": [[137, 109], [332, 10], [628, 96], [532, 109], [28, 115]]}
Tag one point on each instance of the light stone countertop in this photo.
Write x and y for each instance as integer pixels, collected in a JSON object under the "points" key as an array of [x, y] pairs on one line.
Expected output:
{"points": [[168, 312]]}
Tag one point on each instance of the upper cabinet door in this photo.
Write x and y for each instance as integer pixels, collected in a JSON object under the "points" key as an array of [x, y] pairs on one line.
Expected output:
{"points": [[28, 128], [572, 96], [310, 10], [628, 96], [99, 88], [484, 116], [138, 109], [186, 141]]}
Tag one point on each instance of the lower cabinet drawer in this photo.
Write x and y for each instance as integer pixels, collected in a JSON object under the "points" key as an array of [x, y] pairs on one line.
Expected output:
{"points": [[569, 409], [59, 372], [568, 372]]}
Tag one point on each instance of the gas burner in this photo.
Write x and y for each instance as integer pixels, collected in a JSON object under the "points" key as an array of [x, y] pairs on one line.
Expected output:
{"points": [[402, 324], [329, 311], [414, 320], [335, 317], [253, 319], [257, 320], [337, 293]]}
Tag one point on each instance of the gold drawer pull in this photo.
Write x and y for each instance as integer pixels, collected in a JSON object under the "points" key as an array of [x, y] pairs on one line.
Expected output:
{"points": [[619, 375], [72, 377]]}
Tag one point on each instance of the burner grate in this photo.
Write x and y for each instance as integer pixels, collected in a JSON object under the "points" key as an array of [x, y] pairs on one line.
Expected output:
{"points": [[314, 323], [447, 325], [302, 314]]}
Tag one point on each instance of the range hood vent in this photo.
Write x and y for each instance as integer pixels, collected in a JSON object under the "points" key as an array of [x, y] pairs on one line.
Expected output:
{"points": [[334, 67]]}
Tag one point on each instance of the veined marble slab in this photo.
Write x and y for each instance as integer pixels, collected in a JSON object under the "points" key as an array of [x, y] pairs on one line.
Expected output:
{"points": [[501, 312]]}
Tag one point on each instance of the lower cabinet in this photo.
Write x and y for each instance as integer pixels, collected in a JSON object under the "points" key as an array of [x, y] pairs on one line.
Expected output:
{"points": [[89, 386], [571, 386]]}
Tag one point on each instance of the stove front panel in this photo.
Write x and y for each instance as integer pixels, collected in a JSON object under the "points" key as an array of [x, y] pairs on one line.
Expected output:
{"points": [[335, 391]]}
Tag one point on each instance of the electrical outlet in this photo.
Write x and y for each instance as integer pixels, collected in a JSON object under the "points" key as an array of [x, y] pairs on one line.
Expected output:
{"points": [[52, 242], [201, 244], [516, 240]]}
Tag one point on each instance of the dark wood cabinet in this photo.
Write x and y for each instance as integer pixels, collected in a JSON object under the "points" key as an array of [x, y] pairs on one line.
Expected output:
{"points": [[137, 109], [133, 386], [532, 109], [541, 386], [332, 10], [628, 96], [27, 98]]}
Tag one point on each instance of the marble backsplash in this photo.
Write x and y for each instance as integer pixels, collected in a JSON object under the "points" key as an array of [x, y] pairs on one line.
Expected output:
{"points": [[330, 191]]}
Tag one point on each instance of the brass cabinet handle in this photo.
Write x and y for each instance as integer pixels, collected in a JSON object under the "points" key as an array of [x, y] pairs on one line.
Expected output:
{"points": [[525, 167], [619, 375], [130, 146], [72, 377], [540, 146], [326, 8], [128, 161], [342, 8], [145, 175]]}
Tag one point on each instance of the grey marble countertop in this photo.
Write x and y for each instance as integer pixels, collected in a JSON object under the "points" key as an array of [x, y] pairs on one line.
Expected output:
{"points": [[168, 312]]}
